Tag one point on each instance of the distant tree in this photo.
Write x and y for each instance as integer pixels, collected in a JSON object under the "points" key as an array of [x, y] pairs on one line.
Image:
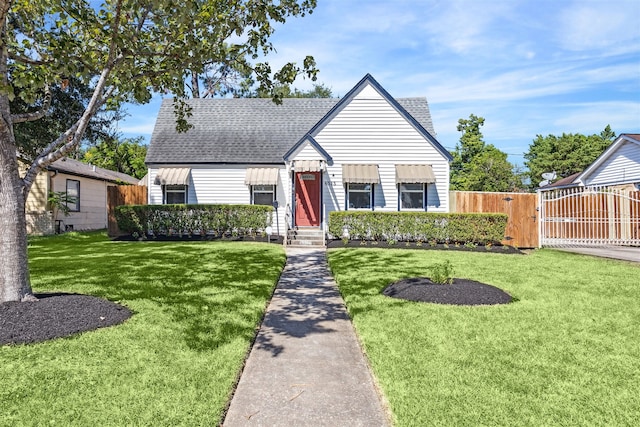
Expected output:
{"points": [[478, 166], [120, 155], [285, 91], [566, 155]]}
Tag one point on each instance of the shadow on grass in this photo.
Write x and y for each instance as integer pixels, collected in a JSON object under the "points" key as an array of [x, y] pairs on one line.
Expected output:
{"points": [[214, 292]]}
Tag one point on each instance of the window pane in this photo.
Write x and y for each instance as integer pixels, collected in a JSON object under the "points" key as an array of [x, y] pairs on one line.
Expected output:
{"points": [[359, 200], [412, 200], [411, 187], [263, 199], [175, 194], [360, 187], [263, 188], [73, 195]]}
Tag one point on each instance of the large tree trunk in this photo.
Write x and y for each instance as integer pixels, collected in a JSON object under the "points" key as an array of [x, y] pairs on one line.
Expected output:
{"points": [[14, 268]]}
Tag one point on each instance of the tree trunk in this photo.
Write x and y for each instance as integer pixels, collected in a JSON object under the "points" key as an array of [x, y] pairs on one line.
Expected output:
{"points": [[14, 267]]}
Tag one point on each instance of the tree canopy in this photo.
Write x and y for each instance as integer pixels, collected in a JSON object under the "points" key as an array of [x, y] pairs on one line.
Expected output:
{"points": [[121, 155], [566, 154], [478, 166], [125, 50]]}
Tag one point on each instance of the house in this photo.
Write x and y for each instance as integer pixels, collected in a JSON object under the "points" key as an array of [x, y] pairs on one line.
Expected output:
{"points": [[86, 184], [365, 151], [617, 167]]}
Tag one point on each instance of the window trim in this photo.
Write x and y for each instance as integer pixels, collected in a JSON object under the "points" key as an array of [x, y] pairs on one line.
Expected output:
{"points": [[273, 193], [73, 207], [371, 193], [424, 196], [165, 190]]}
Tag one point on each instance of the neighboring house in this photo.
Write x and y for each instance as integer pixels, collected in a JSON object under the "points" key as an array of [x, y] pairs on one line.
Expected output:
{"points": [[365, 151], [618, 166], [86, 183]]}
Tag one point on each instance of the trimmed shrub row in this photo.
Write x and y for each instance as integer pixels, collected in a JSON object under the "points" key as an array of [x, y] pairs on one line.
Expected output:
{"points": [[479, 228], [212, 220]]}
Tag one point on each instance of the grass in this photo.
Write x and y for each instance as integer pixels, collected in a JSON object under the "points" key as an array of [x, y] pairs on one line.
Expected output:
{"points": [[567, 352], [174, 362]]}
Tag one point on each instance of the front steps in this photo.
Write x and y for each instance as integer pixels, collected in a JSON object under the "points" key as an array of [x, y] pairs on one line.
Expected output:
{"points": [[305, 237]]}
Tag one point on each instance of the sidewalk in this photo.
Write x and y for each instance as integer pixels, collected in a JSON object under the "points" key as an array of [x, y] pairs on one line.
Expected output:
{"points": [[306, 367], [625, 253]]}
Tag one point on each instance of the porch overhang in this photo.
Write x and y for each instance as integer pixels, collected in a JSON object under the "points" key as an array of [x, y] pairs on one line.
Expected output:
{"points": [[261, 176], [360, 174], [307, 165], [172, 176], [415, 174]]}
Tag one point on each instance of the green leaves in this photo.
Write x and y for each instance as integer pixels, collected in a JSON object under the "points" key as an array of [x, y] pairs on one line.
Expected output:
{"points": [[566, 154]]}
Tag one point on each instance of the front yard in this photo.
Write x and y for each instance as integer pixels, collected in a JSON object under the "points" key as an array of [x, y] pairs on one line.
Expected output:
{"points": [[566, 352], [196, 307]]}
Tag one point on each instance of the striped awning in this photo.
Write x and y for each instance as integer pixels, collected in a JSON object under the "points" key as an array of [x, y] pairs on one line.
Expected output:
{"points": [[261, 176], [307, 165], [415, 174], [172, 176], [360, 174]]}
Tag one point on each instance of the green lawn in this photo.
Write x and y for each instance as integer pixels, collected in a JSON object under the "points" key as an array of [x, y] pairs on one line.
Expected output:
{"points": [[567, 352], [174, 362]]}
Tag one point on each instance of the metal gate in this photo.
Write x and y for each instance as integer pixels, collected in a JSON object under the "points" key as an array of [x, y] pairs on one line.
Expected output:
{"points": [[589, 216]]}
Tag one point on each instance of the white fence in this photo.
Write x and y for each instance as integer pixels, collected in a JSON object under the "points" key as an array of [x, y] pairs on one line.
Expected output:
{"points": [[589, 217]]}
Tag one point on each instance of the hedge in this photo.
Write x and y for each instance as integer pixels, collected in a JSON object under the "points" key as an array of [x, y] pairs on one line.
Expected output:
{"points": [[215, 220], [478, 228]]}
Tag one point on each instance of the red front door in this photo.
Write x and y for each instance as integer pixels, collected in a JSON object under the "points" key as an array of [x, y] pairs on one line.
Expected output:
{"points": [[308, 199]]}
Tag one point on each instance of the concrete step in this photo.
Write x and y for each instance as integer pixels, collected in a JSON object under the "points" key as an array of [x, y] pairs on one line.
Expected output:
{"points": [[305, 237]]}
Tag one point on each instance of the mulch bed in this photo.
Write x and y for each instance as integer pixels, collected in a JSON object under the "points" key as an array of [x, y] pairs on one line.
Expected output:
{"points": [[460, 292], [497, 249], [55, 316]]}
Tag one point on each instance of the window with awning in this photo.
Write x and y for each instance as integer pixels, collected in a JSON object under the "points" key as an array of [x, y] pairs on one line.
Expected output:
{"points": [[360, 174], [415, 174], [172, 176], [261, 176]]}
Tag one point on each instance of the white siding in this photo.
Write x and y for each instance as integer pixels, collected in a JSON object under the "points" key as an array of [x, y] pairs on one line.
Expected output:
{"points": [[307, 152], [622, 166], [93, 203], [370, 130], [223, 184]]}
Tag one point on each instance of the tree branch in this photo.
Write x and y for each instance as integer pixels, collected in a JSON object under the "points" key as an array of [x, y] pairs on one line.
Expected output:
{"points": [[35, 115]]}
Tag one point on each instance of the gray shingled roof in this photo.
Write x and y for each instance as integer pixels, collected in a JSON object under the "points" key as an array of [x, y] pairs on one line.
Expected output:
{"points": [[74, 167], [247, 130]]}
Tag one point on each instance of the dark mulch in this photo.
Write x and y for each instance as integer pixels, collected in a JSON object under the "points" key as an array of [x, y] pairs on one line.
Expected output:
{"points": [[199, 238], [496, 249], [460, 292], [55, 316]]}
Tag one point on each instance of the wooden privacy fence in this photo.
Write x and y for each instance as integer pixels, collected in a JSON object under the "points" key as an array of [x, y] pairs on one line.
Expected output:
{"points": [[589, 217], [122, 195], [522, 225]]}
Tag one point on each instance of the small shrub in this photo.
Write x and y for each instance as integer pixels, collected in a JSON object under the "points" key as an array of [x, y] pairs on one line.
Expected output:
{"points": [[442, 273], [470, 245]]}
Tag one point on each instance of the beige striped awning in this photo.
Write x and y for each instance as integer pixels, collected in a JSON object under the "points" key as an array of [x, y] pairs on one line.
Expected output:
{"points": [[360, 174], [307, 165], [415, 174], [261, 176], [172, 176]]}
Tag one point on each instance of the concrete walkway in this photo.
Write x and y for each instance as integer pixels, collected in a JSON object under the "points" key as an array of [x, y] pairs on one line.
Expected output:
{"points": [[624, 253], [306, 367]]}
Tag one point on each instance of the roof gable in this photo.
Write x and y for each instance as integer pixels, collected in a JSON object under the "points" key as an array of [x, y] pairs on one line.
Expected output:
{"points": [[608, 154], [368, 80]]}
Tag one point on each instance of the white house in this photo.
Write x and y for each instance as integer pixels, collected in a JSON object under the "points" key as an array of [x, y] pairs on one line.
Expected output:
{"points": [[365, 151]]}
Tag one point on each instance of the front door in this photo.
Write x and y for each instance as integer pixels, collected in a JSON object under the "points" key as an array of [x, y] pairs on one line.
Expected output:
{"points": [[308, 186]]}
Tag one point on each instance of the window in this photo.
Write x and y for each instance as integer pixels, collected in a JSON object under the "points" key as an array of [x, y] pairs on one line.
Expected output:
{"points": [[263, 194], [73, 195], [359, 196], [411, 196], [175, 194]]}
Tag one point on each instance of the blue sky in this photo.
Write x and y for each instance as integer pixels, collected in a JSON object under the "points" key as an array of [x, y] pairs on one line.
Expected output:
{"points": [[527, 67]]}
